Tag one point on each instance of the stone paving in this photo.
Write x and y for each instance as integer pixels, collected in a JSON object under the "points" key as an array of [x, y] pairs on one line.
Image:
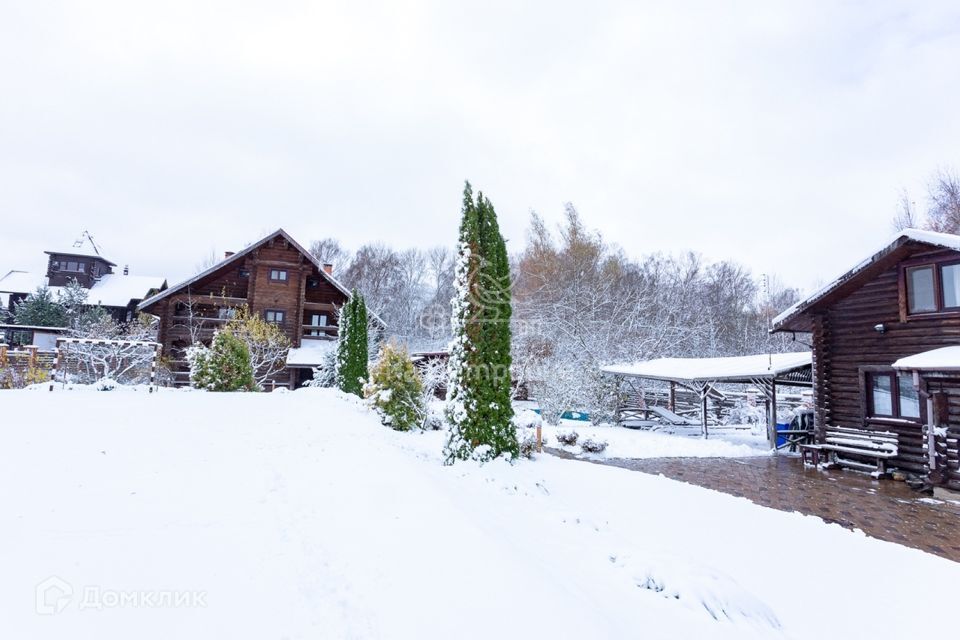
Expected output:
{"points": [[885, 509]]}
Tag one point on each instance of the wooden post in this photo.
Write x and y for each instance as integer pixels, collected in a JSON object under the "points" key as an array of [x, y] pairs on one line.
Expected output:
{"points": [[3, 355], [56, 367], [703, 410], [673, 397], [539, 438], [772, 418]]}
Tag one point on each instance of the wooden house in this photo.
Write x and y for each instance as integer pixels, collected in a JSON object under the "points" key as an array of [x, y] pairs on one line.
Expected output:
{"points": [[871, 330], [274, 277], [117, 293]]}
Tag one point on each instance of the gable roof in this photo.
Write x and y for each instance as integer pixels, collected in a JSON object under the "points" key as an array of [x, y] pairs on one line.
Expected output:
{"points": [[239, 255], [21, 282], [792, 319]]}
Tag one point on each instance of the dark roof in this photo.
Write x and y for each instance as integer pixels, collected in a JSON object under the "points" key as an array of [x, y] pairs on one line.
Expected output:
{"points": [[73, 254], [236, 257], [907, 242]]}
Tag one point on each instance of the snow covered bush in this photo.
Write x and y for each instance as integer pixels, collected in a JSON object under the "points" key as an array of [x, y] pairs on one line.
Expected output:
{"points": [[527, 438], [105, 384], [324, 374], [589, 445], [395, 389], [223, 366], [266, 342], [568, 438]]}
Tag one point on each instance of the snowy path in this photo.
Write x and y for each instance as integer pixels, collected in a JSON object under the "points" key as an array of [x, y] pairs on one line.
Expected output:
{"points": [[297, 515]]}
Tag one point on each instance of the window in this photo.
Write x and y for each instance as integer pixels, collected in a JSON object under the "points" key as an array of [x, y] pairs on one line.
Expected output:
{"points": [[318, 320], [892, 395], [278, 275], [932, 287], [244, 273], [950, 279], [920, 290], [273, 315], [226, 313]]}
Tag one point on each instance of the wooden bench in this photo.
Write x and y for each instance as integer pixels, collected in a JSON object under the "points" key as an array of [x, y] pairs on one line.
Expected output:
{"points": [[879, 445]]}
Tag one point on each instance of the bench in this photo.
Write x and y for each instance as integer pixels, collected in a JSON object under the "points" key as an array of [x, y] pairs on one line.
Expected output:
{"points": [[879, 445]]}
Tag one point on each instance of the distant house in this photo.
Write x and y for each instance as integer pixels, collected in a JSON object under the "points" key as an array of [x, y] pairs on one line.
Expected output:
{"points": [[117, 293], [275, 278], [885, 339]]}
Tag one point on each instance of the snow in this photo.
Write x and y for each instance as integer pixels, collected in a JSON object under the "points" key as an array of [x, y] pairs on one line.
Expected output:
{"points": [[298, 515], [112, 290], [942, 359], [714, 369], [724, 442], [945, 240], [311, 353], [117, 290], [21, 282]]}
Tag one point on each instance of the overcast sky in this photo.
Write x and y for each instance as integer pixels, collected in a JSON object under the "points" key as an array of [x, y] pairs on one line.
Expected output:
{"points": [[777, 134]]}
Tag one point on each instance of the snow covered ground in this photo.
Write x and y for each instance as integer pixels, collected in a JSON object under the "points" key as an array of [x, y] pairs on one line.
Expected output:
{"points": [[296, 515], [724, 442]]}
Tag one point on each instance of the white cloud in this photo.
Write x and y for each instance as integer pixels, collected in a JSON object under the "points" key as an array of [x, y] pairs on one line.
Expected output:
{"points": [[775, 133]]}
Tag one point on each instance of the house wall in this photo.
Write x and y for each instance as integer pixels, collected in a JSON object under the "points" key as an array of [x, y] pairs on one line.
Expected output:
{"points": [[949, 385], [846, 343], [225, 287]]}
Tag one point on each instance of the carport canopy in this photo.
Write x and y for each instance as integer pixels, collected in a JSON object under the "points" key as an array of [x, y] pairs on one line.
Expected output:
{"points": [[766, 370]]}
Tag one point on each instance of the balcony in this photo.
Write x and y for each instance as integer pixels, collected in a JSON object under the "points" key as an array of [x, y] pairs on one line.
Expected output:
{"points": [[319, 331]]}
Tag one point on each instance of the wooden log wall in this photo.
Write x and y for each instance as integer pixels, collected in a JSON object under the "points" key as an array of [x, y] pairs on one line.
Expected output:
{"points": [[303, 292], [846, 344]]}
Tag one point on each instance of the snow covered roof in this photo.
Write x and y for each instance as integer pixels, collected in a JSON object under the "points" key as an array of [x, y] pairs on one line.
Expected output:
{"points": [[21, 282], [236, 257], [310, 353], [942, 359], [933, 238], [117, 290], [112, 290], [733, 369], [84, 246]]}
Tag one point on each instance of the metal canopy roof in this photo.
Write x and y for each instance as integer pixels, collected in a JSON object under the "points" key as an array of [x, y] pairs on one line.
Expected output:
{"points": [[793, 369]]}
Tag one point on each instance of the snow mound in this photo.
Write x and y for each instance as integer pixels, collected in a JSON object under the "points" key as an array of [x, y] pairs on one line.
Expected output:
{"points": [[704, 588]]}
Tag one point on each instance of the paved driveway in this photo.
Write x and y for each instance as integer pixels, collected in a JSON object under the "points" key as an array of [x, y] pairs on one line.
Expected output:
{"points": [[884, 509]]}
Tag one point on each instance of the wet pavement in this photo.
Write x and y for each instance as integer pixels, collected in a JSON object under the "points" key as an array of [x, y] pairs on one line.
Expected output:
{"points": [[884, 509]]}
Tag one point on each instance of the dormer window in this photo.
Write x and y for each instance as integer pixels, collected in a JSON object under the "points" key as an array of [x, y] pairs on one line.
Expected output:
{"points": [[278, 275], [932, 288]]}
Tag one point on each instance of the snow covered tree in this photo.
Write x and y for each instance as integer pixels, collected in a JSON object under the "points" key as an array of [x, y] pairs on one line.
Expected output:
{"points": [[39, 309], [352, 355], [223, 366], [73, 298], [395, 389], [267, 343], [479, 391]]}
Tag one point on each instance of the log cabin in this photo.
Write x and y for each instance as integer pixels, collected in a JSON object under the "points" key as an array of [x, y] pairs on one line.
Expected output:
{"points": [[878, 334], [274, 277]]}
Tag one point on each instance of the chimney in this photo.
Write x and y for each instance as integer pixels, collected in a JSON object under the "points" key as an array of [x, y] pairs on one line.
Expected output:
{"points": [[227, 254], [328, 268], [126, 269]]}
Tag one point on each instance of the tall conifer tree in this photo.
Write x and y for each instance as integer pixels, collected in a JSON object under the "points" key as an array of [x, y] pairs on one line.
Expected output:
{"points": [[352, 354], [479, 369]]}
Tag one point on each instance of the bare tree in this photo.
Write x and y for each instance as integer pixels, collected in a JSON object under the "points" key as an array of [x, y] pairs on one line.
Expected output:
{"points": [[330, 251], [943, 213], [906, 216]]}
